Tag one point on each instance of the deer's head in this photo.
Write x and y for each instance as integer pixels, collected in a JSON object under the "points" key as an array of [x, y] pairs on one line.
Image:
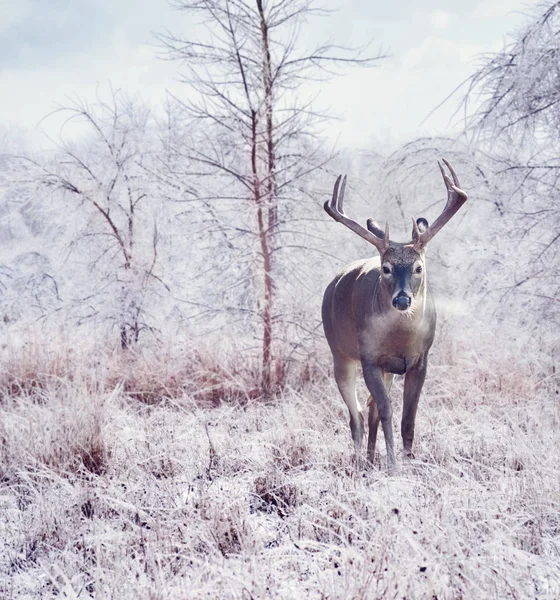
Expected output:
{"points": [[402, 265]]}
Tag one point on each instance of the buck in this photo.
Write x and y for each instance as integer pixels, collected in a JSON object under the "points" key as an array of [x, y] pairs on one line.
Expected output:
{"points": [[379, 313]]}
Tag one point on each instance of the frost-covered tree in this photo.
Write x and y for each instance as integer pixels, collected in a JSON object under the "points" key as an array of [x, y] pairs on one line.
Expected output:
{"points": [[101, 192], [516, 123], [253, 135], [28, 287]]}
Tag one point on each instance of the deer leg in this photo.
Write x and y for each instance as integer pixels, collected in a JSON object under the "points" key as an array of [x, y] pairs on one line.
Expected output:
{"points": [[373, 424], [345, 376], [375, 383], [413, 382], [373, 418]]}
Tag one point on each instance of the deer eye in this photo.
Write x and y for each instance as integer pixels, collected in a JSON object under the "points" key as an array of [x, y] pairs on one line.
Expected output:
{"points": [[386, 270], [418, 269]]}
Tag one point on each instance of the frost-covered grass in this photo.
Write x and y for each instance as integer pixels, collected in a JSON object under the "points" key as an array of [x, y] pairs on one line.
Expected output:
{"points": [[103, 495]]}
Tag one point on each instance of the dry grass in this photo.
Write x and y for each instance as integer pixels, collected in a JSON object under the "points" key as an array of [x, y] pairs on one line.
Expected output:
{"points": [[106, 493], [150, 375]]}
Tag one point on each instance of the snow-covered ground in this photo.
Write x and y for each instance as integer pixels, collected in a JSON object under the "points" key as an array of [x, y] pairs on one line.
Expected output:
{"points": [[104, 496]]}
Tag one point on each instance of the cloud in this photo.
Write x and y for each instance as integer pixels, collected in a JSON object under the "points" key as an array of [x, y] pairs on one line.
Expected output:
{"points": [[13, 13], [51, 56], [440, 19], [51, 31], [34, 93], [491, 9], [437, 53], [390, 102]]}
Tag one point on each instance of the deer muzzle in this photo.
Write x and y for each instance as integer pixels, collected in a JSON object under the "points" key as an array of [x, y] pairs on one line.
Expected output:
{"points": [[402, 301]]}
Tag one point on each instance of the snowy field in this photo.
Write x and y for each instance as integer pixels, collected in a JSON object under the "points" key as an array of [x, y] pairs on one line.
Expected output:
{"points": [[105, 495]]}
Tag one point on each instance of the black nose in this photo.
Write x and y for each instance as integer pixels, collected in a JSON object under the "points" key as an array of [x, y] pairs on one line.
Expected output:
{"points": [[402, 301]]}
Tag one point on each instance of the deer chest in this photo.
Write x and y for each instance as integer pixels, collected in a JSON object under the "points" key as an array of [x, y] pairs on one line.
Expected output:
{"points": [[395, 349]]}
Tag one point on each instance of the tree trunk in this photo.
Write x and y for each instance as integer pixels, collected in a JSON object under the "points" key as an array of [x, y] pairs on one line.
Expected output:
{"points": [[266, 309], [267, 231]]}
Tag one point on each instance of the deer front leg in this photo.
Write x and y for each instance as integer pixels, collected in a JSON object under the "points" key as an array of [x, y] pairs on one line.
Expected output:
{"points": [[373, 423], [373, 420], [373, 376], [413, 382]]}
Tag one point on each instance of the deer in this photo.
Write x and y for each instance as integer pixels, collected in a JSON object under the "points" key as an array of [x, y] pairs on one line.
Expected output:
{"points": [[380, 313]]}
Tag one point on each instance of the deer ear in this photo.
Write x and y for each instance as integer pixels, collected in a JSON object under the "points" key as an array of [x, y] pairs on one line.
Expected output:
{"points": [[375, 229], [422, 226]]}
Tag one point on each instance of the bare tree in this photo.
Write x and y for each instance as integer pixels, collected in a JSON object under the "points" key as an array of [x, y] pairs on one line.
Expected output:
{"points": [[110, 221], [515, 92], [252, 133], [515, 123]]}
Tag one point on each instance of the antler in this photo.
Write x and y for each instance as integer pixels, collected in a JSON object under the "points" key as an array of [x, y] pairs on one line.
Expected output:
{"points": [[456, 197], [335, 209]]}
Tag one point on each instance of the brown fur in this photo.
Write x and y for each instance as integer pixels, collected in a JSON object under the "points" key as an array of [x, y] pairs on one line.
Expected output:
{"points": [[362, 327]]}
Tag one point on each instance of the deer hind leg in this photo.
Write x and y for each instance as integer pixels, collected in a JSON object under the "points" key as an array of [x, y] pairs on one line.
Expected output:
{"points": [[345, 375], [373, 417]]}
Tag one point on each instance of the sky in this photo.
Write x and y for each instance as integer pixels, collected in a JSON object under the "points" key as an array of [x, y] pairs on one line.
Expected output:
{"points": [[55, 50]]}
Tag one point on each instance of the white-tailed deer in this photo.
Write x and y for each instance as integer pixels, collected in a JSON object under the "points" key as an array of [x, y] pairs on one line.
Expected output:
{"points": [[379, 312]]}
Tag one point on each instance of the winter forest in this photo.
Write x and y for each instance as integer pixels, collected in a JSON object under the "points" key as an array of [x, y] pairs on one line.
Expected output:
{"points": [[169, 422]]}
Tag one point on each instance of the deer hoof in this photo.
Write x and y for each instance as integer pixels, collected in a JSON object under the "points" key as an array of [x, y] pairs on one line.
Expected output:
{"points": [[393, 469]]}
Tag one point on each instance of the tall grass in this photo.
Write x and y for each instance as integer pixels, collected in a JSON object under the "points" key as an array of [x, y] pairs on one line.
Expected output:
{"points": [[150, 476]]}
